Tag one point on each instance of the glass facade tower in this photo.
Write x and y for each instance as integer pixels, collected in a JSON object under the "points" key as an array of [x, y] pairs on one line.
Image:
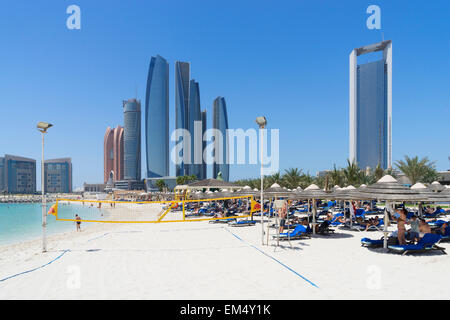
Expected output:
{"points": [[19, 174], [371, 108], [157, 118], [195, 129], [220, 123], [203, 168], [132, 139], [58, 175], [182, 78]]}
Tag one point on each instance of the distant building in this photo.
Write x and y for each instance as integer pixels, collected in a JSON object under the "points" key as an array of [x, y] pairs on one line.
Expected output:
{"points": [[157, 118], [2, 175], [203, 175], [58, 175], [194, 126], [322, 173], [132, 140], [94, 187], [371, 107], [113, 159], [182, 79], [151, 183], [220, 122], [17, 174], [444, 177]]}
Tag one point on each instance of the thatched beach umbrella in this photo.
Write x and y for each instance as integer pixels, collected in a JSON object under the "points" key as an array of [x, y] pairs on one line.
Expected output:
{"points": [[436, 186], [390, 190], [312, 192], [275, 191]]}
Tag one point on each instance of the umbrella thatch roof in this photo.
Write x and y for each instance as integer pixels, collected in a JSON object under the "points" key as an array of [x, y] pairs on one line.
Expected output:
{"points": [[436, 186], [276, 191], [212, 184], [388, 188], [311, 192]]}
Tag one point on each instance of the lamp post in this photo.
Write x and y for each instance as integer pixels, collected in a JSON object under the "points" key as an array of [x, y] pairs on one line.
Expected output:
{"points": [[43, 127], [261, 121]]}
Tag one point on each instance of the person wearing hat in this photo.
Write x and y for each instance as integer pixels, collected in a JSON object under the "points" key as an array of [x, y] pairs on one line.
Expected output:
{"points": [[414, 232]]}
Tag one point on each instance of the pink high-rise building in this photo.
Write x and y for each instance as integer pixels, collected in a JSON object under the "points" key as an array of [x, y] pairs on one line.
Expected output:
{"points": [[113, 154]]}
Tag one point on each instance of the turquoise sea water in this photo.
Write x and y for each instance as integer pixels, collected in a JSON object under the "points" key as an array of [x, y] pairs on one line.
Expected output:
{"points": [[23, 221]]}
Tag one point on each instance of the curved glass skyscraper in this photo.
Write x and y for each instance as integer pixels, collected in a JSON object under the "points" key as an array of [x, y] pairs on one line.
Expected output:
{"points": [[371, 107], [157, 118], [195, 129], [220, 122], [132, 139], [182, 75]]}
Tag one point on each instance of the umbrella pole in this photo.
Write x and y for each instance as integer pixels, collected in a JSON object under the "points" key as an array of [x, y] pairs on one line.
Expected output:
{"points": [[385, 225], [314, 215]]}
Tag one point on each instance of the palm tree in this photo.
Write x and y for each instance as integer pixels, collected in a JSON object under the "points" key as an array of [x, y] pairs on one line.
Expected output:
{"points": [[379, 172], [306, 180], [274, 178], [292, 178], [160, 184], [352, 173], [417, 170], [336, 176]]}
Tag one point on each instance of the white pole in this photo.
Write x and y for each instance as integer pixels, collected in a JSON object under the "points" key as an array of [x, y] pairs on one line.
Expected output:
{"points": [[314, 215], [44, 216], [262, 185], [387, 204]]}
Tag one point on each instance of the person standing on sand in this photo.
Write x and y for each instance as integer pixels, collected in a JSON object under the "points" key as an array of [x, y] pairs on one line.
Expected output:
{"points": [[78, 222], [283, 215], [400, 215]]}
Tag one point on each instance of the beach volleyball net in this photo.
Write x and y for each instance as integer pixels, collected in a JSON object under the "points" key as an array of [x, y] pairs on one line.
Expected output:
{"points": [[111, 211]]}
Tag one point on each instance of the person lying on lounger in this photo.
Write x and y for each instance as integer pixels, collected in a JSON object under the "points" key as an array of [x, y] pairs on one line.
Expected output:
{"points": [[424, 227], [372, 222], [443, 230]]}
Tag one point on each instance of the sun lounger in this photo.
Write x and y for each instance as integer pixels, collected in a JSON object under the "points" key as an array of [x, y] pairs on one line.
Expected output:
{"points": [[366, 242], [299, 232], [222, 220], [241, 223], [426, 244]]}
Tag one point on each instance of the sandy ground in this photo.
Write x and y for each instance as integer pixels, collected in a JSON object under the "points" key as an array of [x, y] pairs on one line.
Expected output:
{"points": [[200, 260]]}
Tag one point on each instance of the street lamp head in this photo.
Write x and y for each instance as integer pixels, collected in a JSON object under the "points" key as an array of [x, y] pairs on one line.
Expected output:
{"points": [[261, 121], [43, 126]]}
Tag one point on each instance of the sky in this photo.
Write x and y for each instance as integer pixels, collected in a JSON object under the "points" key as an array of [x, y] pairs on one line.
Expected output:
{"points": [[286, 60]]}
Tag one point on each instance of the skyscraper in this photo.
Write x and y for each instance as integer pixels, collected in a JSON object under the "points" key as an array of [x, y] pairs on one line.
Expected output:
{"points": [[182, 76], [132, 139], [2, 175], [220, 122], [203, 169], [371, 107], [58, 175], [113, 159], [194, 127], [19, 174], [157, 118]]}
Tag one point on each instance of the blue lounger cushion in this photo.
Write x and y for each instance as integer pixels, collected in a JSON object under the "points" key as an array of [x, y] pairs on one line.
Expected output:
{"points": [[427, 242], [298, 231]]}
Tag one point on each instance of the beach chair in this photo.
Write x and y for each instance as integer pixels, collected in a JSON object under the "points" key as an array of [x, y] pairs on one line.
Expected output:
{"points": [[222, 220], [427, 243], [334, 221], [242, 223], [298, 233], [324, 228], [366, 242]]}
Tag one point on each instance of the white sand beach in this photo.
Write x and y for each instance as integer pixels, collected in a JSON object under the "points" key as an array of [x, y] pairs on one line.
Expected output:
{"points": [[200, 260]]}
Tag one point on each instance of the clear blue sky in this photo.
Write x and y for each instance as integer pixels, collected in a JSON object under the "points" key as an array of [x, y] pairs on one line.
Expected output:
{"points": [[287, 60]]}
